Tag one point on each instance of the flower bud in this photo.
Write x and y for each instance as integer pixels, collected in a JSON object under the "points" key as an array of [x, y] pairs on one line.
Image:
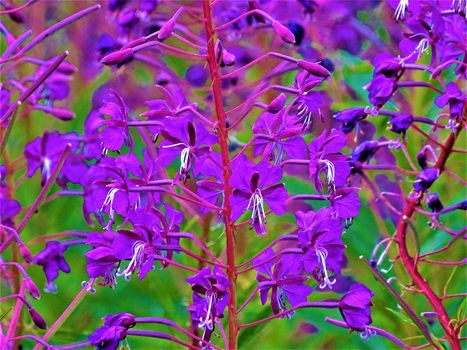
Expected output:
{"points": [[284, 32], [31, 288], [350, 117], [314, 68], [364, 151], [25, 253], [167, 29], [228, 59], [462, 205], [425, 179], [37, 318], [401, 123], [434, 203], [134, 43], [117, 57], [277, 104], [67, 68], [60, 113]]}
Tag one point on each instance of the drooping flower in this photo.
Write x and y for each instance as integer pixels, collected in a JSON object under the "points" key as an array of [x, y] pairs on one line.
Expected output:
{"points": [[114, 330], [253, 186], [319, 234], [210, 298], [115, 132], [355, 307], [325, 156], [52, 261], [283, 279]]}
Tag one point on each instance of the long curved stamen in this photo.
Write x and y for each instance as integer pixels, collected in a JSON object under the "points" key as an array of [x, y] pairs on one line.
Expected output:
{"points": [[459, 6], [422, 46], [109, 200], [136, 260], [184, 156], [207, 323], [256, 205], [322, 255], [400, 9], [330, 172]]}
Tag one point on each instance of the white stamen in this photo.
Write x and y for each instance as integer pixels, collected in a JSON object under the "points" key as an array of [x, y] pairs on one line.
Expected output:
{"points": [[330, 172], [282, 303], [322, 255], [256, 205], [184, 157], [422, 46], [400, 9], [459, 5], [207, 322], [136, 260], [109, 200]]}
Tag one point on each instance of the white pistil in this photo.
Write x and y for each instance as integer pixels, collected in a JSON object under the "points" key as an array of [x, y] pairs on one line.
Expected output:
{"points": [[46, 167], [136, 260], [256, 204], [184, 157], [210, 297], [330, 172], [322, 255], [109, 200], [400, 9]]}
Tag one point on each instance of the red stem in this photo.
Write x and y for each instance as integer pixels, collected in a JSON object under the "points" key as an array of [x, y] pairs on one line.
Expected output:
{"points": [[412, 267], [223, 143]]}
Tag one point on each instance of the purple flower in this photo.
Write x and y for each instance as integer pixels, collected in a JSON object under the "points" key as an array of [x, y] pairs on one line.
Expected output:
{"points": [[44, 153], [453, 97], [319, 234], [281, 277], [52, 261], [355, 307], [210, 297], [276, 137], [350, 118], [401, 123], [253, 186], [325, 156], [115, 132], [114, 330], [186, 140], [380, 90], [101, 260], [425, 179]]}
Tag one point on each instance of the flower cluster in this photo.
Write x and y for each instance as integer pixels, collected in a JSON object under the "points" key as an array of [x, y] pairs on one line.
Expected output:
{"points": [[228, 162]]}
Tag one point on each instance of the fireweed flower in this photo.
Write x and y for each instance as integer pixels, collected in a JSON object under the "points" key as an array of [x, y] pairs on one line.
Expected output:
{"points": [[52, 261], [325, 157], [319, 234], [101, 260], [277, 138], [114, 330], [115, 132], [283, 279], [210, 297], [186, 140], [455, 99], [44, 153], [255, 185], [308, 104], [350, 118], [355, 308]]}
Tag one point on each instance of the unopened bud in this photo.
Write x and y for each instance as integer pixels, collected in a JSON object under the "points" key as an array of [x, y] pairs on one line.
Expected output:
{"points": [[167, 29], [31, 288], [277, 104], [284, 32], [314, 68], [434, 203], [25, 253], [37, 319], [60, 113], [117, 57]]}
